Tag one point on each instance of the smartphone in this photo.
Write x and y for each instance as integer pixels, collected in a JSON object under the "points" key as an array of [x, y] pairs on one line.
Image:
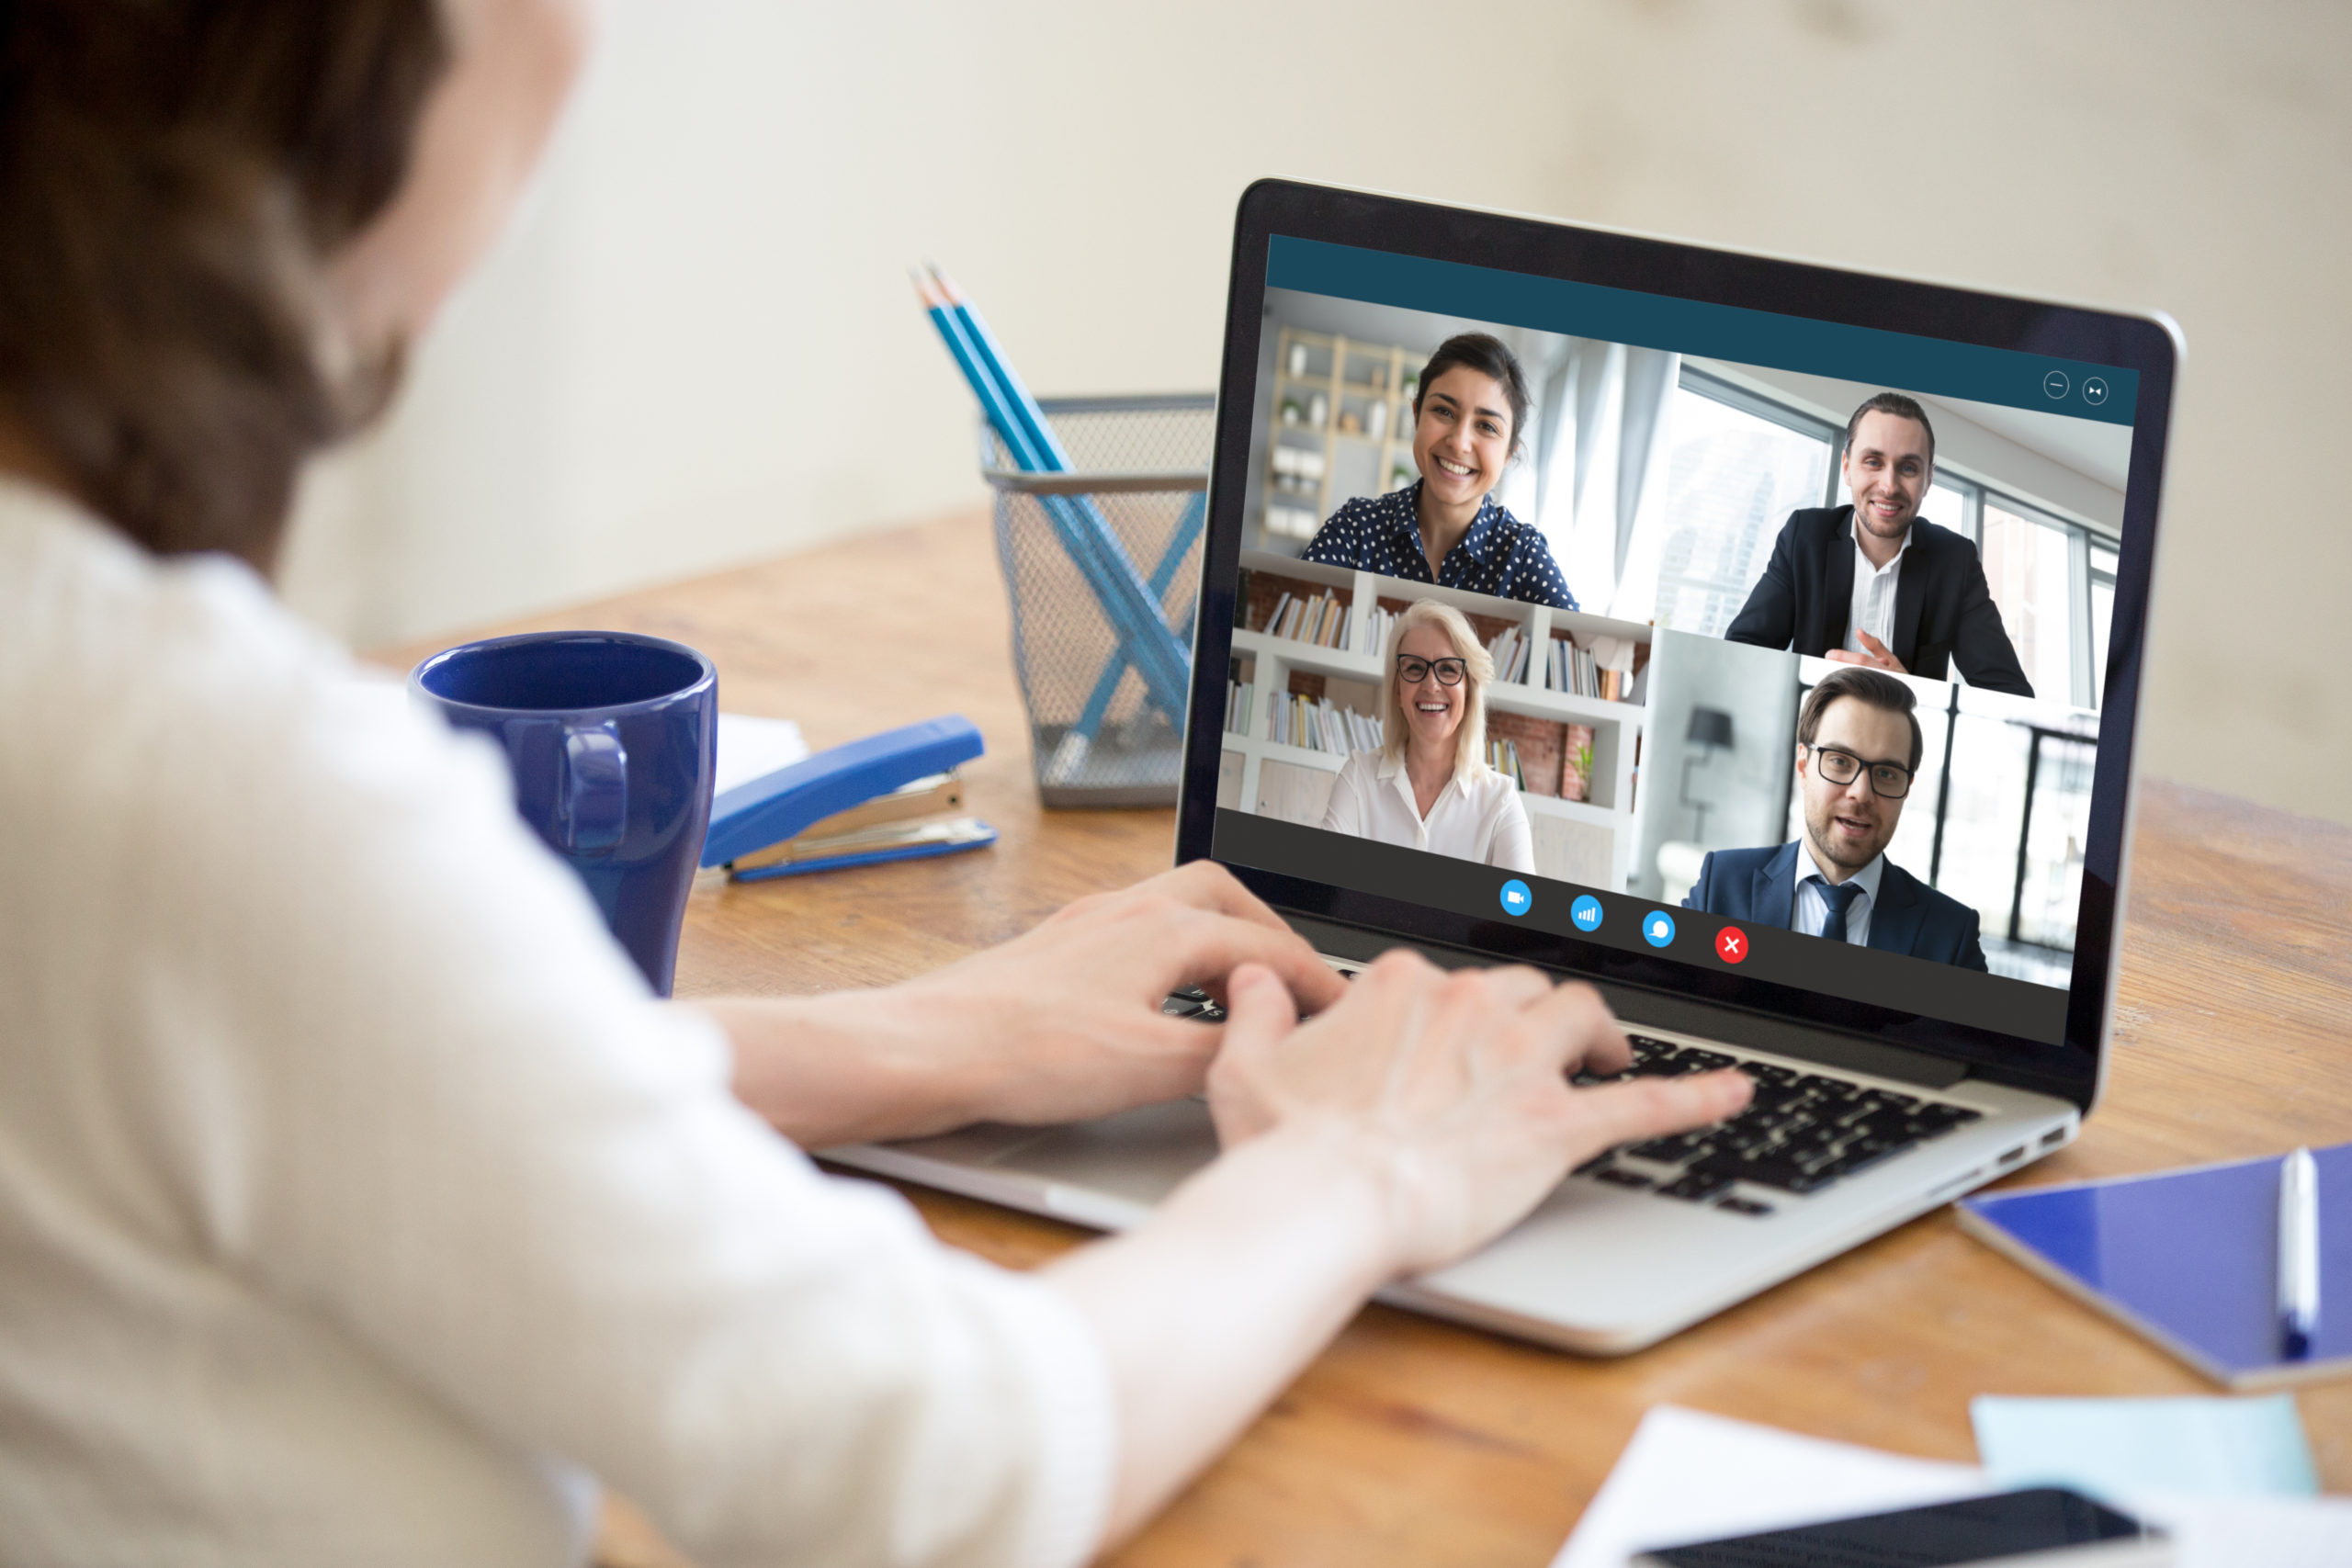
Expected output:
{"points": [[2043, 1525]]}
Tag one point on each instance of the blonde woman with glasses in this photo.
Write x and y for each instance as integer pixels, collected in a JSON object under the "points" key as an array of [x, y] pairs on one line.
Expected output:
{"points": [[1429, 787]]}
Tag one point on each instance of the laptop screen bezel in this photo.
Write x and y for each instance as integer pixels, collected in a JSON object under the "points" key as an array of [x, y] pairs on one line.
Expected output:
{"points": [[1546, 249]]}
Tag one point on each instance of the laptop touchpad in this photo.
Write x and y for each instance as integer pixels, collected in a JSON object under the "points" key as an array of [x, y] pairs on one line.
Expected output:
{"points": [[1139, 1155]]}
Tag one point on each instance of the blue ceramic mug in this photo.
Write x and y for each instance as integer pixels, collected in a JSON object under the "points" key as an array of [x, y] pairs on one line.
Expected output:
{"points": [[611, 739]]}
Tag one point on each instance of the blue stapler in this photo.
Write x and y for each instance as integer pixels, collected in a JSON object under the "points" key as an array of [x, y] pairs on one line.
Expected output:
{"points": [[890, 796]]}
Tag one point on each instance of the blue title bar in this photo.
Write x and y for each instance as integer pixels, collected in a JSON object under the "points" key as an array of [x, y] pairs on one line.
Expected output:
{"points": [[1898, 361]]}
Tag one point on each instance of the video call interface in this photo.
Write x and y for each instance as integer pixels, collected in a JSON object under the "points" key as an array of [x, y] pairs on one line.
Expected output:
{"points": [[1751, 642]]}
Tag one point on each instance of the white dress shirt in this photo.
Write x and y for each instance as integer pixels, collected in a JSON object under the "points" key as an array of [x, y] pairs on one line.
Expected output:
{"points": [[359, 1204], [1812, 909], [1872, 609], [1476, 817]]}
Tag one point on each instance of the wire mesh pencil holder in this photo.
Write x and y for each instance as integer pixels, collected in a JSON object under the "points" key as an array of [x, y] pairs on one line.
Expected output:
{"points": [[1103, 675]]}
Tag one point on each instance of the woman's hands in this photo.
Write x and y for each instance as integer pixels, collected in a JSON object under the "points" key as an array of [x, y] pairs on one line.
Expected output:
{"points": [[1449, 1088], [1061, 1024], [1069, 1011], [1407, 1124]]}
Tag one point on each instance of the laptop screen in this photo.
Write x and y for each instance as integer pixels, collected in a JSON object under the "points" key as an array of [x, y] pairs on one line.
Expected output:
{"points": [[1772, 648]]}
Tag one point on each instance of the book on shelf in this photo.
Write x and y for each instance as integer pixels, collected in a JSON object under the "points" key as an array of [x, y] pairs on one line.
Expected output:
{"points": [[1511, 651], [1321, 620], [1318, 724], [1503, 757], [1603, 670], [1237, 707]]}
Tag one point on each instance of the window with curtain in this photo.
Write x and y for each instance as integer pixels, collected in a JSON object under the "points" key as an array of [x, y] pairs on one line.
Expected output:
{"points": [[1733, 477], [2027, 565], [2102, 611]]}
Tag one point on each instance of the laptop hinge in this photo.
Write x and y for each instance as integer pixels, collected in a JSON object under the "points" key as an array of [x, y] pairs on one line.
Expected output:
{"points": [[1657, 1009]]}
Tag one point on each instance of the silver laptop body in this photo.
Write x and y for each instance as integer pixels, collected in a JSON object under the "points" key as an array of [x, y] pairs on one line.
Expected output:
{"points": [[1954, 1076]]}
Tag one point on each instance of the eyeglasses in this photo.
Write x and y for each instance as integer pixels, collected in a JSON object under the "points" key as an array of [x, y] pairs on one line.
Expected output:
{"points": [[1889, 781], [1413, 672]]}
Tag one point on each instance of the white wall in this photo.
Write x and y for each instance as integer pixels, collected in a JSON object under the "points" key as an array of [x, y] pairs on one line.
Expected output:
{"points": [[700, 346]]}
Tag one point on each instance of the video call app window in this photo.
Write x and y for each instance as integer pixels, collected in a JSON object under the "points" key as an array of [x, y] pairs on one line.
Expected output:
{"points": [[1639, 676]]}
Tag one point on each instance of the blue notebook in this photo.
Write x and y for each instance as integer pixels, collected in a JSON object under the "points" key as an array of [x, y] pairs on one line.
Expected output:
{"points": [[2189, 1258]]}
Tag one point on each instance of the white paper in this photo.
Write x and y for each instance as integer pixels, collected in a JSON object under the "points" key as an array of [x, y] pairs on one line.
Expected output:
{"points": [[1688, 1476], [750, 748]]}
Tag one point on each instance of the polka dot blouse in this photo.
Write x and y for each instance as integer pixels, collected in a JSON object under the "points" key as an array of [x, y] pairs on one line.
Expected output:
{"points": [[1499, 555]]}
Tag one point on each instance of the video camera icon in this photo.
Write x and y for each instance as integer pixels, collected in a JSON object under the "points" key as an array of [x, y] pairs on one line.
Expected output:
{"points": [[1517, 898]]}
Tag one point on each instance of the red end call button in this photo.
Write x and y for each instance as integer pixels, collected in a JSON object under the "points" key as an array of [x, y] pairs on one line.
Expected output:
{"points": [[1731, 944]]}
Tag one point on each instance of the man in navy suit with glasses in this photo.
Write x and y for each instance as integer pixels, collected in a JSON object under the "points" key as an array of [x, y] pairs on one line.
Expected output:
{"points": [[1858, 752]]}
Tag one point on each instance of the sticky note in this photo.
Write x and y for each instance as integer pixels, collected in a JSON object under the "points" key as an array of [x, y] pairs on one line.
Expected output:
{"points": [[2111, 1446]]}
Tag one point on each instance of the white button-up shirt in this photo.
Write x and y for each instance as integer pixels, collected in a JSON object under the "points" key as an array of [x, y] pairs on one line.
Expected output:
{"points": [[1476, 817], [359, 1204], [1872, 609], [1813, 905]]}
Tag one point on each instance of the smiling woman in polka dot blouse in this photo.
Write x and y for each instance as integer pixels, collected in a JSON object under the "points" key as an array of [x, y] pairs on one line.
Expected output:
{"points": [[1446, 527]]}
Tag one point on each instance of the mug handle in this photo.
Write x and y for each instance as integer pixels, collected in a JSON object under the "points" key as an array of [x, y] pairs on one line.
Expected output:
{"points": [[592, 802]]}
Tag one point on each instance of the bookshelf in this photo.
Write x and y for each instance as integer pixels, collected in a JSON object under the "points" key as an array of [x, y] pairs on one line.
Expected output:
{"points": [[1361, 444], [1590, 840]]}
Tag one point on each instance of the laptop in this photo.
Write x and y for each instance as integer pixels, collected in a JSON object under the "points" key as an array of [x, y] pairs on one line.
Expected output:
{"points": [[1691, 771]]}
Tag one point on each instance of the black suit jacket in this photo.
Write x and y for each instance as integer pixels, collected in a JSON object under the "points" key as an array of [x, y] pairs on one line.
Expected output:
{"points": [[1944, 613], [1910, 916]]}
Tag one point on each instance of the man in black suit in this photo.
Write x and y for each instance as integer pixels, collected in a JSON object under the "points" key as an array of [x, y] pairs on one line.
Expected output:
{"points": [[1873, 582], [1858, 747]]}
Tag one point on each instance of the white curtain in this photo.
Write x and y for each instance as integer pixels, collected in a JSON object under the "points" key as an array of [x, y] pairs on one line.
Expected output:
{"points": [[1601, 448]]}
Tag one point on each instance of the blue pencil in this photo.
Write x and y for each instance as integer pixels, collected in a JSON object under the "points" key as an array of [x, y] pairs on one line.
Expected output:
{"points": [[1131, 604], [1055, 458], [1188, 528]]}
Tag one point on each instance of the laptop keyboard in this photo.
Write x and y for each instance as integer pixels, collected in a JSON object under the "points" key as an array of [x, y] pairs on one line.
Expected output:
{"points": [[1801, 1131]]}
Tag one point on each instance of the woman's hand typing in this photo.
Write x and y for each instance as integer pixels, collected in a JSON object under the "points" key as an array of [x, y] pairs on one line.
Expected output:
{"points": [[1452, 1089], [1061, 1024]]}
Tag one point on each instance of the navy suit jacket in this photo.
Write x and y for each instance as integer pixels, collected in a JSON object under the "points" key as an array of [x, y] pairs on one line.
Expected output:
{"points": [[1908, 916], [1944, 613]]}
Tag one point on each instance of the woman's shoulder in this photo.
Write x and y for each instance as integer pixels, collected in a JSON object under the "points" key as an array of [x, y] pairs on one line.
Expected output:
{"points": [[1352, 529], [1492, 788], [182, 704], [1519, 533]]}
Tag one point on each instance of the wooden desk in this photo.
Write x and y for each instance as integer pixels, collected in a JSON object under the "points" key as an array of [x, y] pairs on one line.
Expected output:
{"points": [[1414, 1443]]}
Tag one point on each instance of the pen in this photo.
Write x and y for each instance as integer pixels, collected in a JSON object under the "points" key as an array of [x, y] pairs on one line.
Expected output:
{"points": [[2298, 1255]]}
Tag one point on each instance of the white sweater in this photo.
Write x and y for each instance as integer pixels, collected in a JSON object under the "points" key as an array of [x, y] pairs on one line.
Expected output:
{"points": [[357, 1202]]}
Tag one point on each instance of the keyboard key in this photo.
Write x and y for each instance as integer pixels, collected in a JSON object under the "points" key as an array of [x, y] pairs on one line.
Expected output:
{"points": [[1672, 1149], [1595, 1163], [1619, 1177], [1743, 1206], [1771, 1171], [1706, 1061], [1695, 1186]]}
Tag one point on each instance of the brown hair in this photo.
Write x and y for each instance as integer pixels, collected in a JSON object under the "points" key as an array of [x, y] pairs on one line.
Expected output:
{"points": [[1875, 687], [1900, 407], [1489, 356], [173, 173]]}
